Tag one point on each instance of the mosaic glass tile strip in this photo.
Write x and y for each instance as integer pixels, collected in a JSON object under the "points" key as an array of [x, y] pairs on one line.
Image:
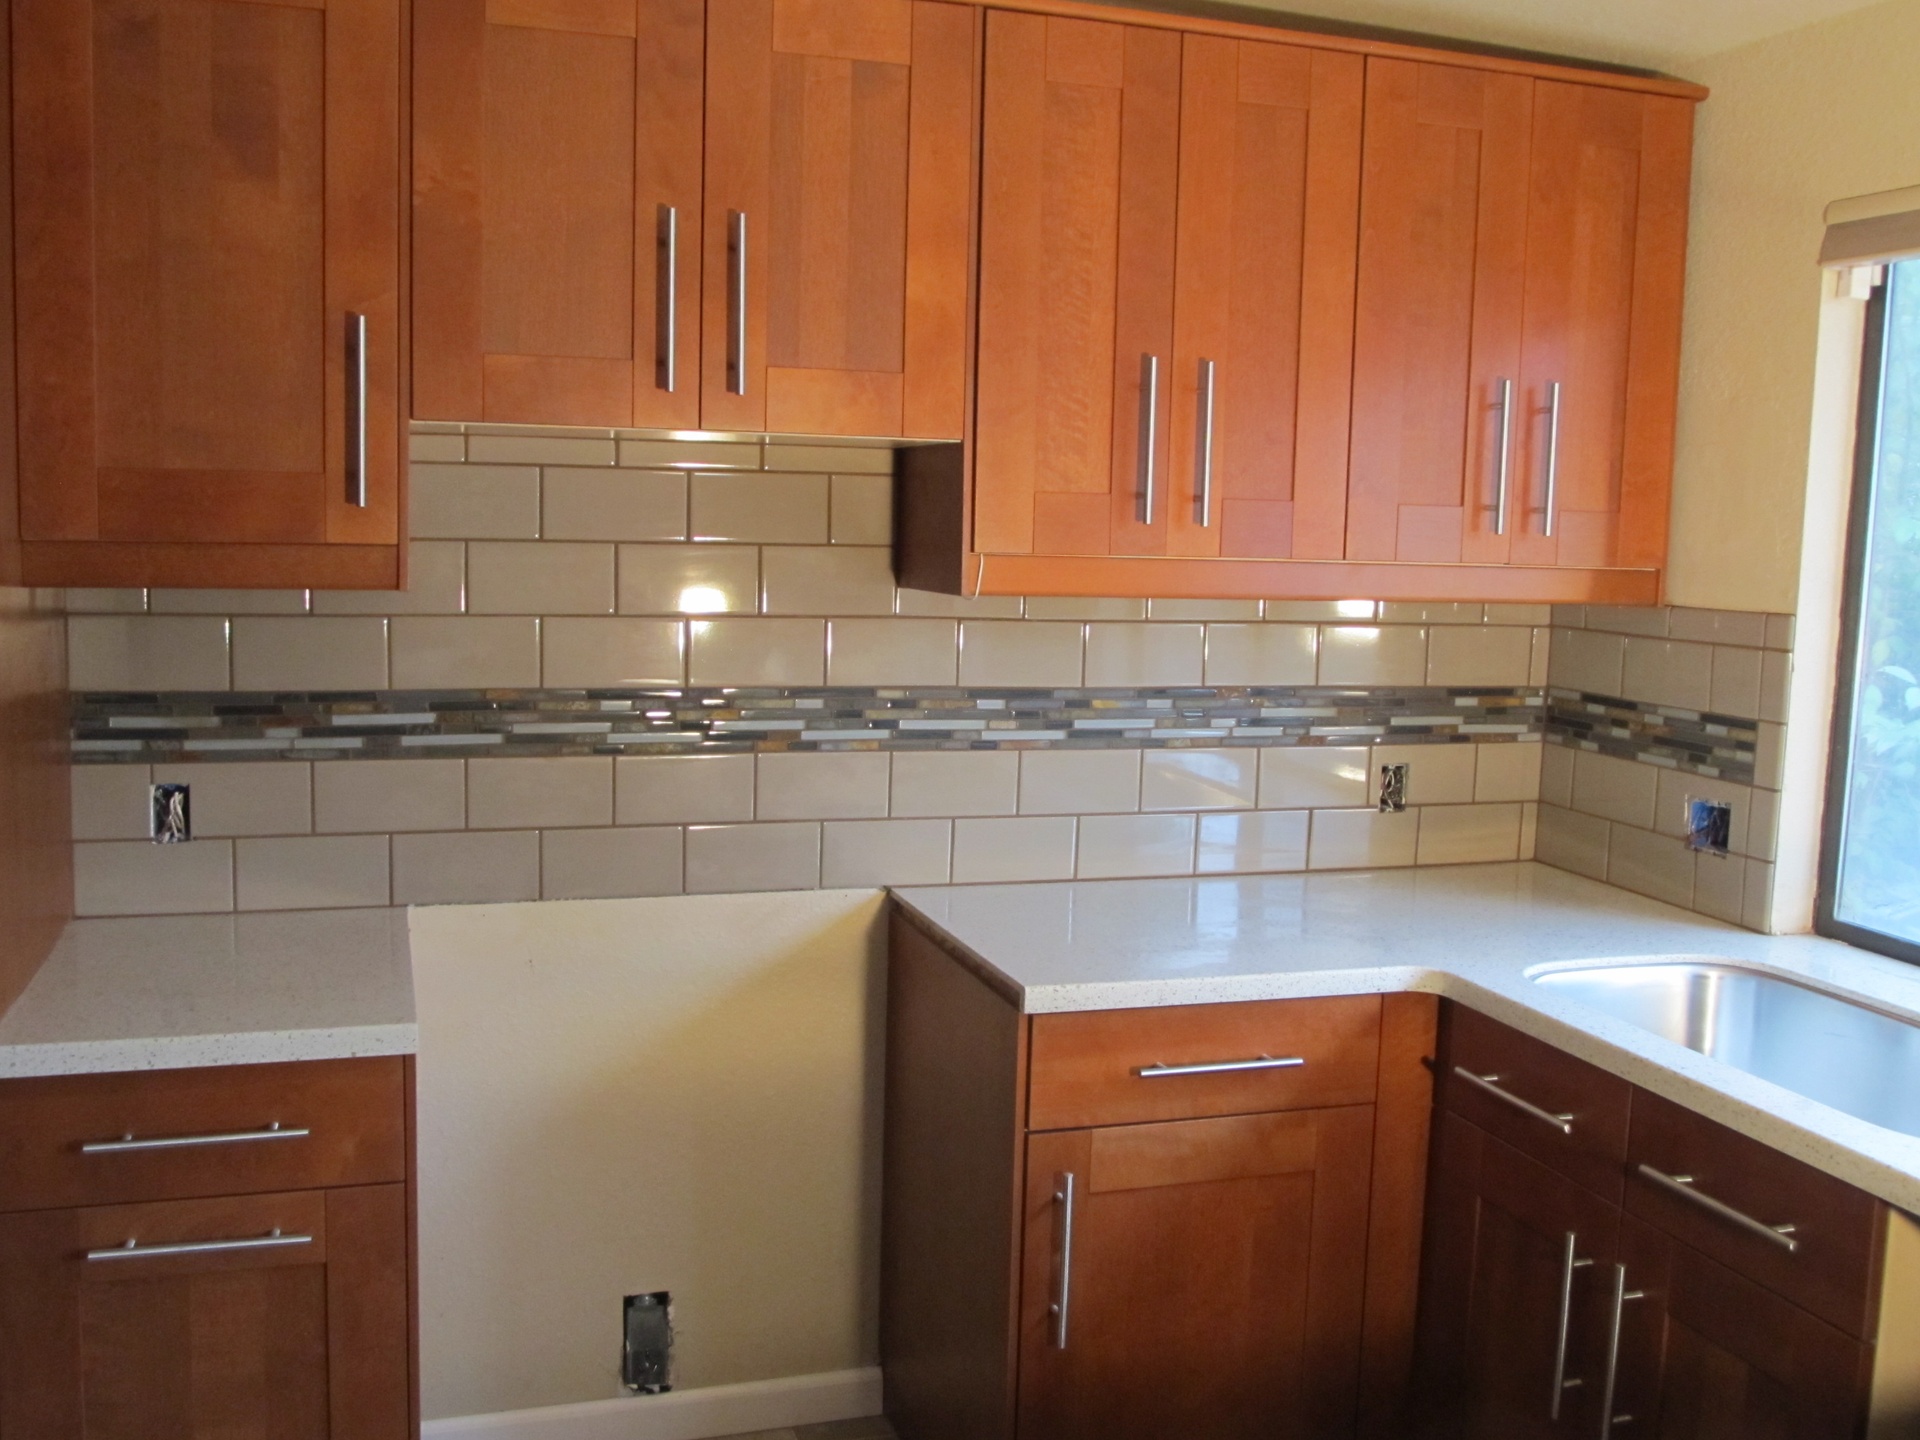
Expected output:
{"points": [[1721, 746], [147, 728]]}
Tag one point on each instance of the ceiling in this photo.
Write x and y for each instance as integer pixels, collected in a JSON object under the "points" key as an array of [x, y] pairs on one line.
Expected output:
{"points": [[1657, 34]]}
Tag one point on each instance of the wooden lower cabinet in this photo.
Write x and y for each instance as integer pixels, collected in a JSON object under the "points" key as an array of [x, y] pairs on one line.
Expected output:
{"points": [[1210, 1272]]}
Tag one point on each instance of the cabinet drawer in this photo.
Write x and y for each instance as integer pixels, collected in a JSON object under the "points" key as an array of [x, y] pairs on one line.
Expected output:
{"points": [[1737, 1191], [1117, 1067], [172, 1134], [1565, 1113]]}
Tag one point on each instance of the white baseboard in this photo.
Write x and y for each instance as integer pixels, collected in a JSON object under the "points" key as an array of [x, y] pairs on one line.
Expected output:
{"points": [[681, 1414]]}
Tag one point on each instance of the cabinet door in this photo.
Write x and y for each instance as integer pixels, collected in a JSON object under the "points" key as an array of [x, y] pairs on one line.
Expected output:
{"points": [[296, 1338], [1706, 1354], [1443, 229], [556, 211], [839, 157], [207, 192], [1263, 309], [1511, 1341], [1606, 254], [1081, 177], [1211, 1273]]}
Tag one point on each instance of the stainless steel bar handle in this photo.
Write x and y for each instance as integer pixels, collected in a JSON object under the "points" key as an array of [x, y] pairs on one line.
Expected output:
{"points": [[1491, 1084], [134, 1250], [1149, 431], [666, 299], [357, 410], [1060, 1309], [275, 1131], [1553, 456], [736, 302], [1221, 1067], [1203, 461], [1570, 1261], [1621, 1295], [1781, 1235], [1505, 467]]}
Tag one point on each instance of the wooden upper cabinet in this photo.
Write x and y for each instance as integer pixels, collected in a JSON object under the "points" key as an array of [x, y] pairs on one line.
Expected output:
{"points": [[839, 194], [556, 211], [208, 194], [1517, 330], [1263, 304]]}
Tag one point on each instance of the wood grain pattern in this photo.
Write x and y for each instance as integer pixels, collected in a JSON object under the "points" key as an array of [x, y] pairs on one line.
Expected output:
{"points": [[1707, 1354], [1084, 1064], [1056, 574], [1402, 1120], [1442, 264], [191, 263], [36, 853], [1594, 1153], [1217, 1270], [1835, 1271], [353, 1107], [951, 1195]]}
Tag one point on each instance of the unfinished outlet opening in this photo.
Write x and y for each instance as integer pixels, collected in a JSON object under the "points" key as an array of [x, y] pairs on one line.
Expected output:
{"points": [[646, 1352], [1709, 826], [1393, 789]]}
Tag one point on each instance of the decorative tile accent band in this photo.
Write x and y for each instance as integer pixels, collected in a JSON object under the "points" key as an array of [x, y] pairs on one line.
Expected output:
{"points": [[1721, 746], [149, 728]]}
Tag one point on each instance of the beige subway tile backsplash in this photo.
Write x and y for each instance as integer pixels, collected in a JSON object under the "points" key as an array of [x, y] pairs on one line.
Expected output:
{"points": [[474, 502], [110, 802], [137, 877], [537, 449], [611, 864], [311, 872], [1079, 782], [1031, 847], [826, 580], [1479, 655], [689, 454], [762, 509], [471, 867], [1201, 779], [1362, 839], [1668, 672], [1436, 774], [1262, 654], [1249, 842], [892, 652], [1123, 655], [594, 504], [803, 785], [227, 602], [745, 651], [539, 578], [1315, 777], [1508, 772], [262, 797], [1034, 653], [861, 510], [725, 859], [682, 789], [578, 652], [1118, 846], [1468, 834], [1373, 655], [540, 793], [315, 652], [372, 796], [862, 853], [465, 652], [147, 652], [955, 782], [839, 459], [689, 579]]}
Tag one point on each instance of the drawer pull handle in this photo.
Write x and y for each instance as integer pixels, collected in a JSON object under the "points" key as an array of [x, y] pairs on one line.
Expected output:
{"points": [[127, 1142], [1221, 1067], [1781, 1235], [1060, 1310], [1569, 1262], [134, 1250], [1491, 1084], [1621, 1295]]}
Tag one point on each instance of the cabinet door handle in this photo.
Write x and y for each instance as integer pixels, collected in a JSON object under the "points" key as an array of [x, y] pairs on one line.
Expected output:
{"points": [[1621, 1295], [1203, 461], [1781, 1235], [134, 1250], [737, 302], [1220, 1067], [666, 299], [275, 1131], [1491, 1084], [1553, 456], [1149, 432], [1569, 1262], [357, 411], [1503, 467], [1059, 1310]]}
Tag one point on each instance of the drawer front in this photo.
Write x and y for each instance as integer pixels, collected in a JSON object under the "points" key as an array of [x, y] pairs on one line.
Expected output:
{"points": [[224, 1130], [1739, 1190], [1565, 1113], [1119, 1067]]}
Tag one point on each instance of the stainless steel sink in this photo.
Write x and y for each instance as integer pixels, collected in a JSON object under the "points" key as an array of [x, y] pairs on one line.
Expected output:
{"points": [[1859, 1060]]}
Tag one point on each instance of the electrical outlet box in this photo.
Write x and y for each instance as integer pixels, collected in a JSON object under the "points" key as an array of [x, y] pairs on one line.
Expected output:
{"points": [[1393, 788], [646, 1352], [1709, 825], [170, 814]]}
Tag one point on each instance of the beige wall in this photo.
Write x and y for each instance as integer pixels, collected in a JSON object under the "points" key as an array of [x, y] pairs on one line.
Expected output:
{"points": [[1795, 122], [628, 1095]]}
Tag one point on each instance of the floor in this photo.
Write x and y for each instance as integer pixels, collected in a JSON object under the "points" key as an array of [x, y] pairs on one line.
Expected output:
{"points": [[872, 1429]]}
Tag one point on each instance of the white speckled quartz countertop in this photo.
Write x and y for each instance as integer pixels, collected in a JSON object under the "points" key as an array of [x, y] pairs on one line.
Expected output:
{"points": [[169, 992], [1470, 933]]}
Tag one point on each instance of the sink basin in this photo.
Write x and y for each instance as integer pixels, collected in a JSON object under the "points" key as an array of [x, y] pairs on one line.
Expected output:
{"points": [[1859, 1060]]}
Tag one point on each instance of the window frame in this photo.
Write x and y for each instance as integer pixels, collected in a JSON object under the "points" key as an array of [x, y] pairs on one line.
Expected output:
{"points": [[1866, 455]]}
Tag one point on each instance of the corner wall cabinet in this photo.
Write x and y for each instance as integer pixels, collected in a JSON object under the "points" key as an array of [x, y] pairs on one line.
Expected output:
{"points": [[741, 215], [208, 1252], [207, 247]]}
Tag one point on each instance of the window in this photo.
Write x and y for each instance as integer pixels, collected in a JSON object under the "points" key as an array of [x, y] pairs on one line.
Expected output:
{"points": [[1870, 863]]}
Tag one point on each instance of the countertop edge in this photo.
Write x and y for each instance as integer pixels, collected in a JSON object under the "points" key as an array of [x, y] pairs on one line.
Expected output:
{"points": [[191, 1052]]}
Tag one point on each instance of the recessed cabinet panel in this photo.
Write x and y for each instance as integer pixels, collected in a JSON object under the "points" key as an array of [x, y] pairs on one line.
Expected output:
{"points": [[208, 196], [838, 194], [557, 211], [1263, 310]]}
